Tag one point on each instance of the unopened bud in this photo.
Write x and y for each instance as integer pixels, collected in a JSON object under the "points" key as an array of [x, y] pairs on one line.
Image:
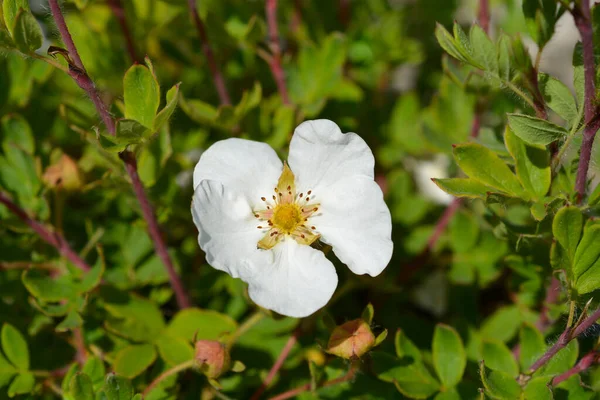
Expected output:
{"points": [[64, 174], [212, 358], [351, 339]]}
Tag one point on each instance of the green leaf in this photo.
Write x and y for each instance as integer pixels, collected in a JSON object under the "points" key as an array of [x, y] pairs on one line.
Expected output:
{"points": [[367, 314], [94, 369], [558, 97], [81, 387], [42, 286], [484, 51], [499, 385], [463, 187], [447, 42], [72, 320], [133, 360], [117, 388], [10, 9], [7, 371], [566, 228], [532, 346], [133, 317], [204, 324], [538, 389], [498, 357], [503, 50], [449, 357], [405, 347], [163, 116], [16, 129], [502, 325], [532, 164], [22, 384], [409, 375], [482, 164], [92, 278], [129, 132], [534, 130], [27, 33], [586, 262], [451, 394], [464, 232], [174, 350], [15, 347], [562, 361], [141, 95]]}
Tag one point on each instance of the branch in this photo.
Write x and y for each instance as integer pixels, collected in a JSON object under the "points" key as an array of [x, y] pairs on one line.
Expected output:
{"points": [[277, 366], [117, 9], [153, 228], [301, 389], [275, 60], [592, 121], [564, 339], [208, 53], [77, 71], [52, 238], [586, 361]]}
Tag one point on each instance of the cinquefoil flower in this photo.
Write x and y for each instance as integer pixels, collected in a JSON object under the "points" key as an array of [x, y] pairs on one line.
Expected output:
{"points": [[257, 217]]}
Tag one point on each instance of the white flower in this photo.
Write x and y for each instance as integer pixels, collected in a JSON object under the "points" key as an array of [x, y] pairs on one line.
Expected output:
{"points": [[257, 217]]}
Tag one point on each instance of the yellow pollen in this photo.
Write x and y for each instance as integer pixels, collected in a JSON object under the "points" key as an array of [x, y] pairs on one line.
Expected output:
{"points": [[287, 217]]}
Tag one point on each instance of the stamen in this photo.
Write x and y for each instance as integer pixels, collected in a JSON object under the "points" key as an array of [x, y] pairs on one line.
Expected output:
{"points": [[259, 227], [275, 198], [256, 215], [301, 194], [315, 209], [263, 198], [302, 236], [289, 188], [307, 198], [275, 190], [309, 192], [312, 227]]}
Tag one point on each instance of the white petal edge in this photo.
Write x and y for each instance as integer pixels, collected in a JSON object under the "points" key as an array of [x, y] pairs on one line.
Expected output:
{"points": [[356, 222], [227, 230], [299, 282], [320, 154], [245, 166]]}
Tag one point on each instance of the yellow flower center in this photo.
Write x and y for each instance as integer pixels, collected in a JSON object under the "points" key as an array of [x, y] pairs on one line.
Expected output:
{"points": [[287, 214]]}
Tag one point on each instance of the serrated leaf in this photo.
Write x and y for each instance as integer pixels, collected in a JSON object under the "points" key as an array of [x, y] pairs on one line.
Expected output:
{"points": [[81, 387], [558, 97], [10, 9], [22, 384], [447, 42], [463, 187], [566, 228], [503, 51], [498, 357], [586, 262], [27, 33], [141, 93], [534, 130], [15, 347], [532, 164], [484, 51], [133, 360], [483, 165], [449, 357]]}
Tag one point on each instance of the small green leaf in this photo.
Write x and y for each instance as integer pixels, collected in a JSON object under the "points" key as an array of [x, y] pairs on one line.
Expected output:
{"points": [[586, 262], [558, 97], [405, 347], [451, 394], [532, 164], [484, 51], [141, 95], [566, 228], [174, 350], [498, 357], [562, 361], [534, 130], [22, 384], [463, 187], [503, 50], [502, 325], [238, 366], [449, 357], [94, 369], [447, 42], [81, 387], [117, 388], [367, 314], [538, 389], [10, 9], [27, 33], [7, 371], [133, 360], [408, 374], [464, 232], [499, 385], [163, 116], [72, 320], [532, 346], [204, 324], [16, 129], [42, 286], [15, 347], [482, 164]]}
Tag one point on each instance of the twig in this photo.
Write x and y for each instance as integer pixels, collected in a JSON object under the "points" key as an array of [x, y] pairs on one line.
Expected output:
{"points": [[52, 238], [564, 339], [443, 222], [583, 21], [277, 366], [586, 361], [301, 389], [176, 369], [153, 229], [275, 61], [208, 53], [484, 15], [77, 71], [79, 344], [117, 9]]}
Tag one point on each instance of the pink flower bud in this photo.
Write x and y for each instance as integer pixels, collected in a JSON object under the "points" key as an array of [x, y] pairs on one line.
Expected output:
{"points": [[212, 358], [351, 339]]}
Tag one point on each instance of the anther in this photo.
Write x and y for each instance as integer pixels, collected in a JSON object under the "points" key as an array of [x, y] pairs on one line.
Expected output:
{"points": [[275, 190], [263, 198], [301, 194], [302, 236], [280, 194], [289, 188], [309, 192], [256, 215], [274, 198], [259, 227], [312, 227], [290, 193], [307, 198], [315, 209]]}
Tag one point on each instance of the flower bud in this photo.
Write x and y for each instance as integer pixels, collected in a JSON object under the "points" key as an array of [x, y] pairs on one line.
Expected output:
{"points": [[64, 174], [212, 358], [351, 339]]}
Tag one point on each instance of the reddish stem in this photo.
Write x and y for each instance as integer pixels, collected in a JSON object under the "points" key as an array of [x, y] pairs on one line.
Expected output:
{"points": [[117, 9], [208, 53], [484, 15], [153, 229], [592, 122], [301, 389], [285, 351], [586, 361], [275, 61], [52, 238], [443, 222]]}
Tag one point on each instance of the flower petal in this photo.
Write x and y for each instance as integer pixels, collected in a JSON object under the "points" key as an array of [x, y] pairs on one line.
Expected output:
{"points": [[320, 155], [298, 282], [356, 222], [246, 166], [227, 229]]}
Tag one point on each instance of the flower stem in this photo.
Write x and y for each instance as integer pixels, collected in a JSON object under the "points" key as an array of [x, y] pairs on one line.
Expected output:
{"points": [[581, 14], [117, 9], [275, 60], [301, 389], [586, 361], [208, 53], [245, 326], [285, 351], [484, 15], [52, 238], [176, 369]]}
